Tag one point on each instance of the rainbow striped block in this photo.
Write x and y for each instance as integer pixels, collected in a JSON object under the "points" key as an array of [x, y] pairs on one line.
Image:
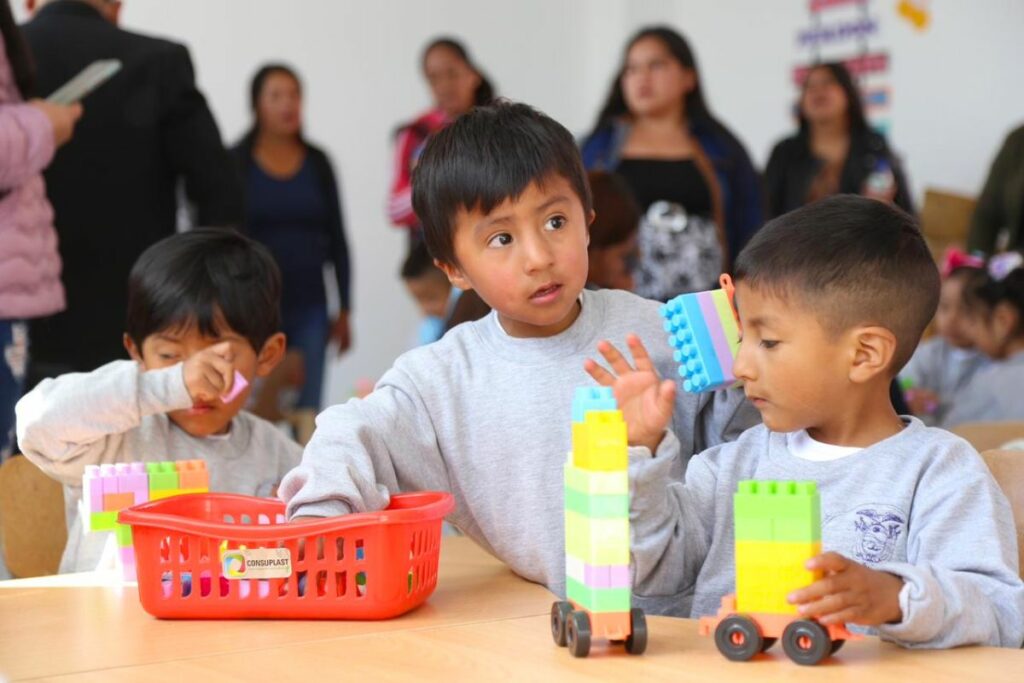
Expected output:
{"points": [[703, 331]]}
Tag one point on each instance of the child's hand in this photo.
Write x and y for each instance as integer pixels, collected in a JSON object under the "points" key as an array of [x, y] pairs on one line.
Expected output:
{"points": [[210, 373], [849, 593], [645, 402]]}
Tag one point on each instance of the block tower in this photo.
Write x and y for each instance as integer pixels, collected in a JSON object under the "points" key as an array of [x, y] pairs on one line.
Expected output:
{"points": [[108, 489], [777, 529], [597, 580], [703, 329]]}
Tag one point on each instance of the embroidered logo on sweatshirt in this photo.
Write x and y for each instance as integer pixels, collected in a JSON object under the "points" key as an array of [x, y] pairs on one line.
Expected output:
{"points": [[870, 533]]}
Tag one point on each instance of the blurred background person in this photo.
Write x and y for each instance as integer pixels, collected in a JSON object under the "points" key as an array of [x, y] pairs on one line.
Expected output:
{"points": [[293, 206]]}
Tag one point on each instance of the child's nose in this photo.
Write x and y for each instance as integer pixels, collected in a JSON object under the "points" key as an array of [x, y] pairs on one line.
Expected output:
{"points": [[539, 254], [742, 367]]}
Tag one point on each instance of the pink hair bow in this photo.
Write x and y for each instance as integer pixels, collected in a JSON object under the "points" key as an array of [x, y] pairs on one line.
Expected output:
{"points": [[958, 258]]}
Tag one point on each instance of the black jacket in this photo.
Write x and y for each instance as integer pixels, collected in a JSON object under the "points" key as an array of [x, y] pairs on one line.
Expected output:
{"points": [[791, 169], [114, 185], [337, 243]]}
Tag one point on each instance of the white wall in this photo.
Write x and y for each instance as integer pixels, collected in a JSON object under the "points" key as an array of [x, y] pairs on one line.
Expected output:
{"points": [[956, 90]]}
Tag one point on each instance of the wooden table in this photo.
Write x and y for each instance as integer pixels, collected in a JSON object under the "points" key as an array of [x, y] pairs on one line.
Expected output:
{"points": [[482, 623]]}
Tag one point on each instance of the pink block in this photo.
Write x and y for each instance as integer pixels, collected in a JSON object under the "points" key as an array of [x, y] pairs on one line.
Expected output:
{"points": [[135, 481], [606, 576], [718, 340], [108, 476], [92, 488], [237, 387]]}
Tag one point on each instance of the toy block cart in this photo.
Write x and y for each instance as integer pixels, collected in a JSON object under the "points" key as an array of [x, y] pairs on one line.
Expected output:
{"points": [[778, 528], [597, 579]]}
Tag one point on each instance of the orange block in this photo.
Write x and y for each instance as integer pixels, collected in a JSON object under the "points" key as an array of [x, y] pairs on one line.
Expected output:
{"points": [[193, 475], [113, 502]]}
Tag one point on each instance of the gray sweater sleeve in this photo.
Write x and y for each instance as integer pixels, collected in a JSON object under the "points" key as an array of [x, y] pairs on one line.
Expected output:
{"points": [[79, 419], [670, 524], [364, 450], [961, 576]]}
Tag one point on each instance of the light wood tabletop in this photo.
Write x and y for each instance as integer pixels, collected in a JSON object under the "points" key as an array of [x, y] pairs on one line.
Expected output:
{"points": [[62, 624], [483, 623]]}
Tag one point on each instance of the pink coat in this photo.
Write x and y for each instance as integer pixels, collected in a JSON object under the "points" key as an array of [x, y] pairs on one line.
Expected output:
{"points": [[30, 284]]}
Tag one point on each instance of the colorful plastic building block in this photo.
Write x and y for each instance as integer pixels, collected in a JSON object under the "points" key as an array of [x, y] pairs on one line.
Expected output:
{"points": [[108, 489], [777, 529], [597, 532], [703, 329], [237, 386]]}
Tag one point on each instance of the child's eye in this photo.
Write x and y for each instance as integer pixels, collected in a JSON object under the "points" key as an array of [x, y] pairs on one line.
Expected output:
{"points": [[502, 240], [769, 343], [555, 223], [168, 356]]}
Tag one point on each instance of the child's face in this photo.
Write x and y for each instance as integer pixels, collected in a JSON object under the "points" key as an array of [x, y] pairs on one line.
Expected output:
{"points": [[431, 294], [527, 258], [169, 347], [992, 331], [951, 319], [792, 369]]}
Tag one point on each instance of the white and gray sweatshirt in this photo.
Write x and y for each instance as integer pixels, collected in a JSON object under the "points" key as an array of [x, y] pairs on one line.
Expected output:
{"points": [[921, 505], [117, 413], [487, 417]]}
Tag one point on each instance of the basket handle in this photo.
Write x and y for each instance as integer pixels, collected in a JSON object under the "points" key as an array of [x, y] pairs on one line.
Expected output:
{"points": [[435, 504]]}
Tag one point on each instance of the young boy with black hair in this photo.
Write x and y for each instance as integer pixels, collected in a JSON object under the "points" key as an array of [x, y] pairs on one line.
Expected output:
{"points": [[485, 412], [434, 295], [920, 541], [202, 306]]}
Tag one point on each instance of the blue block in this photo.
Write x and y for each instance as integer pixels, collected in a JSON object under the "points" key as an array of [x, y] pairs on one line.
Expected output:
{"points": [[694, 350], [592, 398]]}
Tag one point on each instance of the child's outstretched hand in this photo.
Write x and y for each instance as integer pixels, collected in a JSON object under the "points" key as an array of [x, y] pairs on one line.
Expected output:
{"points": [[210, 373], [646, 403], [849, 593]]}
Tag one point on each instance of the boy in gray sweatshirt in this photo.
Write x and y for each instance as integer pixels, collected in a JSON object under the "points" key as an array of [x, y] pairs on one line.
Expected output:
{"points": [[919, 541], [202, 312], [484, 412]]}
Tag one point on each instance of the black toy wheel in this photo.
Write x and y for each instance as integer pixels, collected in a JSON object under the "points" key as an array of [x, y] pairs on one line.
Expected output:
{"points": [[577, 634], [837, 645], [806, 642], [738, 638], [636, 643], [560, 612], [767, 643]]}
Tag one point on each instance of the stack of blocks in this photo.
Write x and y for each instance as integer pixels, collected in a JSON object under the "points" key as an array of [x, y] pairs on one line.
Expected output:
{"points": [[597, 514], [108, 489], [704, 333], [778, 528]]}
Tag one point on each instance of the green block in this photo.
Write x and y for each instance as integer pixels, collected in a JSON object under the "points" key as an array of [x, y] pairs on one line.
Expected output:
{"points": [[162, 476], [597, 599], [596, 505], [103, 521], [777, 511], [124, 535], [597, 541], [596, 482]]}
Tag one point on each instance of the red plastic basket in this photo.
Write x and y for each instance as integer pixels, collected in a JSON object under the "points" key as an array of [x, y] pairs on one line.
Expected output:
{"points": [[363, 566]]}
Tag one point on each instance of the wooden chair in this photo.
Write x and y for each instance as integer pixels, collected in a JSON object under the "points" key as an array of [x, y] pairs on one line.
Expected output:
{"points": [[33, 530], [1008, 469], [985, 436]]}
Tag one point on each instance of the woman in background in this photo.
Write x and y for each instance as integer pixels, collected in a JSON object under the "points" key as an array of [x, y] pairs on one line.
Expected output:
{"points": [[293, 207]]}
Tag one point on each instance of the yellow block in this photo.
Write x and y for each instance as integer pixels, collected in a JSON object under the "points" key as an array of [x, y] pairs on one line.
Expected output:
{"points": [[597, 541], [768, 571], [599, 442]]}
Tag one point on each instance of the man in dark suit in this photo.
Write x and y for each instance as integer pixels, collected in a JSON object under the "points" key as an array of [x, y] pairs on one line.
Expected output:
{"points": [[114, 187]]}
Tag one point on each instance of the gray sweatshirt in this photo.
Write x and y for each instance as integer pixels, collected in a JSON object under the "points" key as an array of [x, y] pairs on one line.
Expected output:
{"points": [[487, 417], [117, 413], [940, 367], [920, 505], [994, 393]]}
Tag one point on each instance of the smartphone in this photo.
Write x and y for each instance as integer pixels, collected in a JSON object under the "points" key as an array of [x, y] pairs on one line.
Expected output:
{"points": [[90, 78]]}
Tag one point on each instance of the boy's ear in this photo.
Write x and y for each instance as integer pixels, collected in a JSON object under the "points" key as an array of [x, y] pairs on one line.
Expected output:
{"points": [[129, 345], [454, 275], [590, 221], [873, 351], [271, 354]]}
